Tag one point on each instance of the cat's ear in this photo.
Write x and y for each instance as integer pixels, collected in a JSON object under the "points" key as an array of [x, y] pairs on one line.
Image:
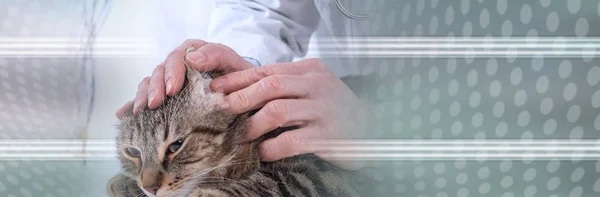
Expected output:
{"points": [[195, 81], [190, 72]]}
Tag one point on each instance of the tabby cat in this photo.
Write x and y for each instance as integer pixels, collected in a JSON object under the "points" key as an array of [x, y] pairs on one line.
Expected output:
{"points": [[189, 147]]}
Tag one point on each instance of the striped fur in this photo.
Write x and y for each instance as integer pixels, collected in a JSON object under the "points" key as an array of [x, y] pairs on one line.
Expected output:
{"points": [[213, 159]]}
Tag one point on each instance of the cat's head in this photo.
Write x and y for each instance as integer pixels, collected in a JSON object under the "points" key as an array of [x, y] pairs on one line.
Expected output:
{"points": [[186, 142]]}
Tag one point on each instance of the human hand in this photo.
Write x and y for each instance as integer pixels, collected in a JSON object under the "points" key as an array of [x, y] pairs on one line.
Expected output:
{"points": [[304, 93], [167, 78]]}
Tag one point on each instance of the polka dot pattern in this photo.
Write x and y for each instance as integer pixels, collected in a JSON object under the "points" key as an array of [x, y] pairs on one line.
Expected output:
{"points": [[494, 98], [42, 178], [46, 112], [39, 98]]}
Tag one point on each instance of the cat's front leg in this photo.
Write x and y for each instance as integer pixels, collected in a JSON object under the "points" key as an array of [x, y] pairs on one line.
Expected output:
{"points": [[123, 186]]}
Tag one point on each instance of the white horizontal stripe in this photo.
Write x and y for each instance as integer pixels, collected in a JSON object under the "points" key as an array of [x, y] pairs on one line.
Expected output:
{"points": [[74, 54], [57, 148], [455, 148], [459, 155], [141, 46], [102, 150], [336, 141], [460, 46], [524, 148], [70, 39], [58, 156], [63, 46], [365, 54], [56, 141], [456, 141], [458, 38], [462, 52], [367, 38], [372, 47]]}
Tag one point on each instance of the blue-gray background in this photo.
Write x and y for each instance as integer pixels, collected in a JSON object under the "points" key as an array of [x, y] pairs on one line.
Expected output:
{"points": [[481, 98]]}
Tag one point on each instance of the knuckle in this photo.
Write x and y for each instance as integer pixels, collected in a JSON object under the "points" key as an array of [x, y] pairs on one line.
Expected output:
{"points": [[291, 141], [144, 81], [185, 45], [322, 78], [172, 53], [271, 84], [212, 51], [265, 71], [316, 63], [275, 112], [221, 46], [224, 48], [241, 99], [159, 68]]}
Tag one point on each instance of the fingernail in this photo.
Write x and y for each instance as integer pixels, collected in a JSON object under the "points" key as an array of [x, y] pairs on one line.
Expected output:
{"points": [[169, 85], [136, 109], [196, 57], [151, 96]]}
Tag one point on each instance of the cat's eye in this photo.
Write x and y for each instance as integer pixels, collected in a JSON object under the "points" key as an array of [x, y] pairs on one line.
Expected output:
{"points": [[132, 152], [175, 146]]}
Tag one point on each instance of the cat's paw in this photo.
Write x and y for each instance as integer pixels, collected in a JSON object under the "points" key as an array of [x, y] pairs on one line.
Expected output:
{"points": [[122, 186]]}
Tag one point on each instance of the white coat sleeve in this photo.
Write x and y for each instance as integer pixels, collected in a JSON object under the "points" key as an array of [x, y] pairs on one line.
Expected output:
{"points": [[270, 31]]}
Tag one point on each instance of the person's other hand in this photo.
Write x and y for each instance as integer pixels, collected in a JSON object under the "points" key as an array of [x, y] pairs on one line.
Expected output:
{"points": [[304, 93], [167, 78]]}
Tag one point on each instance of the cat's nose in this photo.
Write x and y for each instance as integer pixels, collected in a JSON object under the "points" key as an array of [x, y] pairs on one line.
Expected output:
{"points": [[152, 188], [151, 181]]}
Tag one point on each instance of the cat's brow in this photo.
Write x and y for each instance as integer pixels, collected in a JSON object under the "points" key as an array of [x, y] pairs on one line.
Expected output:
{"points": [[207, 130]]}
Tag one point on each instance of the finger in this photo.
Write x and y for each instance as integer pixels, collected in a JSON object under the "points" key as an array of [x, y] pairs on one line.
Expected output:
{"points": [[216, 57], [281, 113], [141, 98], [124, 110], [237, 80], [265, 90], [288, 144], [156, 87], [299, 141], [175, 68]]}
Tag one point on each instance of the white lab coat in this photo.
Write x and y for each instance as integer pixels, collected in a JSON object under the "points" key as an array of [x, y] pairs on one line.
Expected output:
{"points": [[274, 31]]}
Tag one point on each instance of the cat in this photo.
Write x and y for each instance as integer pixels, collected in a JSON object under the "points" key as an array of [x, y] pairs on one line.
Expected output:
{"points": [[190, 147]]}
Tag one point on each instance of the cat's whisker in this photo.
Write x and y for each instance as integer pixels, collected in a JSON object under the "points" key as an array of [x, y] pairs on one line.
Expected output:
{"points": [[215, 181], [141, 194], [236, 181], [220, 165], [201, 173]]}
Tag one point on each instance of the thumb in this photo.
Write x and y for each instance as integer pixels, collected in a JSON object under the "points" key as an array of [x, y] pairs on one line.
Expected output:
{"points": [[216, 57]]}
